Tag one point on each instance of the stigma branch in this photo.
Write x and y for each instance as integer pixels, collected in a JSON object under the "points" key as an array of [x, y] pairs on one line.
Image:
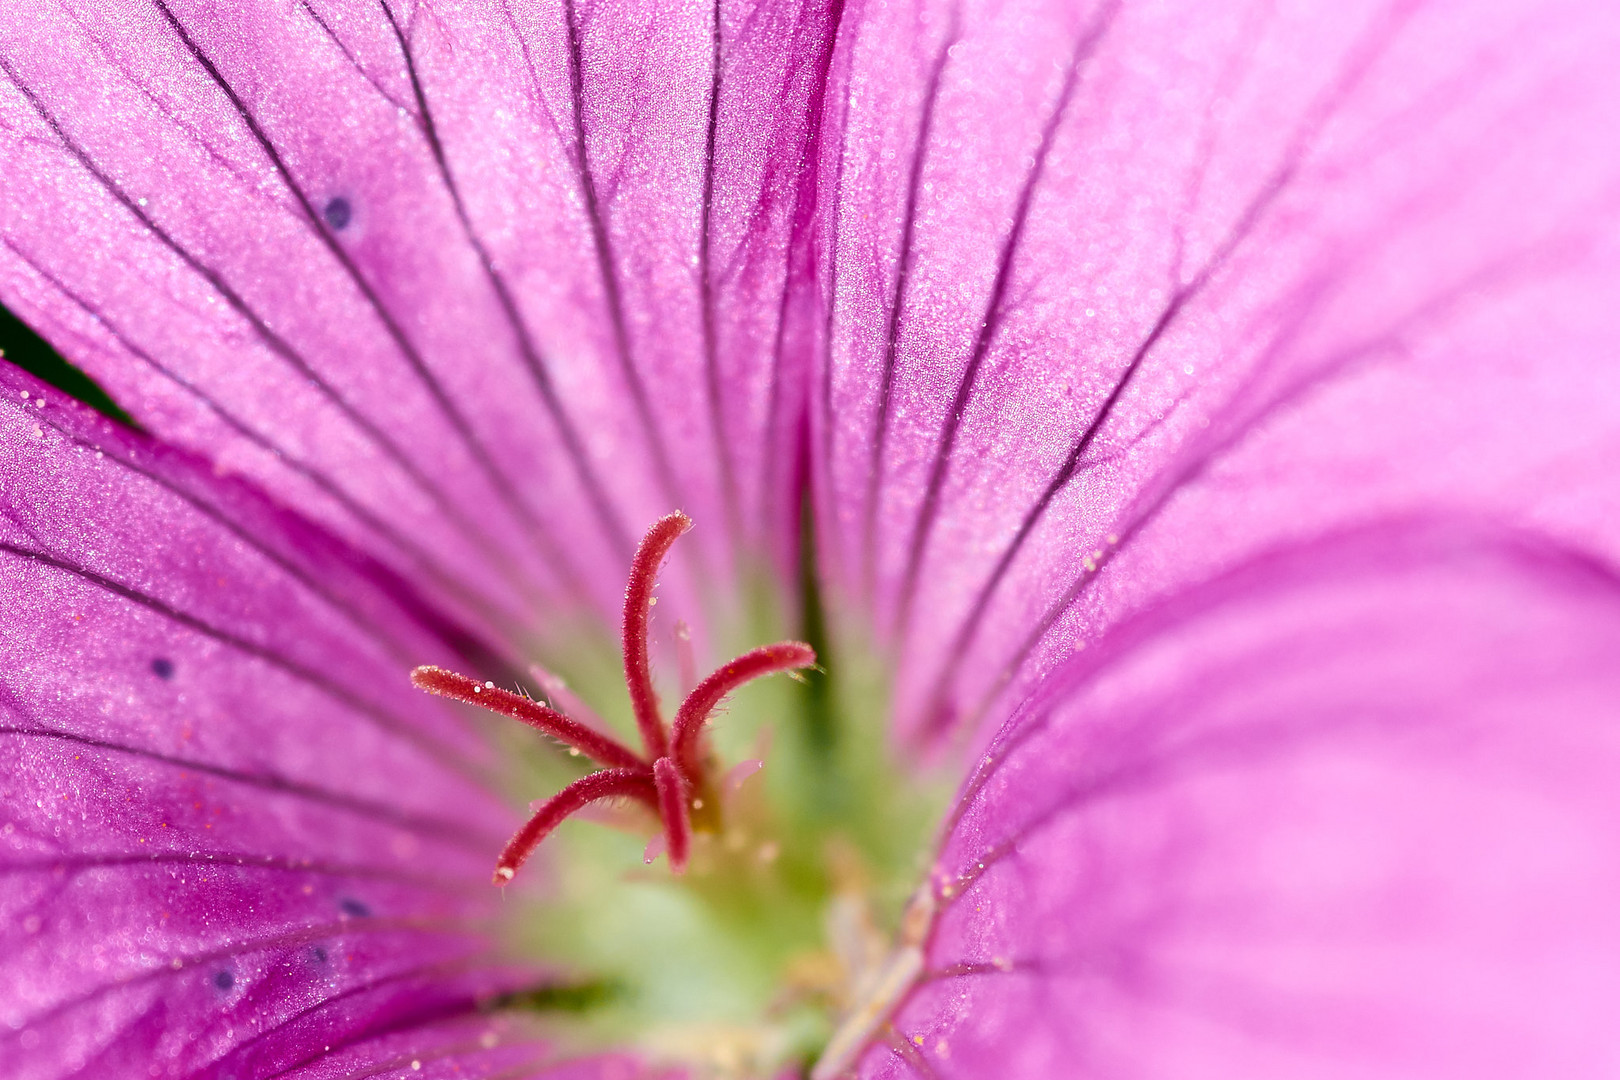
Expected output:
{"points": [[669, 776]]}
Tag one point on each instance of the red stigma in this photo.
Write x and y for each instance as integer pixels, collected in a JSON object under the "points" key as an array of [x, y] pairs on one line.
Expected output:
{"points": [[669, 775]]}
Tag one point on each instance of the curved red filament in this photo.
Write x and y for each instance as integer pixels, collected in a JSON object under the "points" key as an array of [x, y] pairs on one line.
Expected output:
{"points": [[673, 809], [638, 597], [671, 770], [700, 703], [600, 748], [607, 784]]}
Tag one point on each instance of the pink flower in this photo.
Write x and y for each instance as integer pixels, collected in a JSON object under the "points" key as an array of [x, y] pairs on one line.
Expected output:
{"points": [[1185, 432]]}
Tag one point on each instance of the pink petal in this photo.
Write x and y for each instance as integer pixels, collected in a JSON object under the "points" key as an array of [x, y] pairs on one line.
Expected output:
{"points": [[229, 829], [1337, 262], [298, 293], [1347, 811]]}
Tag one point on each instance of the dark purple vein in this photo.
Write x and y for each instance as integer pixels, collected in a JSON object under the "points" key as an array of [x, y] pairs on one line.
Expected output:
{"points": [[798, 253], [1194, 466], [829, 430], [603, 243], [274, 341], [354, 61], [462, 1003], [830, 314], [315, 476], [248, 184], [396, 333], [434, 748], [540, 100], [903, 1048], [233, 860], [1176, 751], [1230, 434], [712, 382], [442, 828], [897, 307], [1245, 226], [965, 968], [305, 935], [527, 349], [1066, 472], [991, 323]]}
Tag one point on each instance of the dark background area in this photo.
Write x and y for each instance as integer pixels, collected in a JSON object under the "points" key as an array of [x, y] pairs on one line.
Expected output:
{"points": [[21, 346]]}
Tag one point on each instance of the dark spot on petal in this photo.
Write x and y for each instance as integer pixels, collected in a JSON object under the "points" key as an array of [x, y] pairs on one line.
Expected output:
{"points": [[319, 953], [338, 213], [163, 667], [224, 980], [353, 907]]}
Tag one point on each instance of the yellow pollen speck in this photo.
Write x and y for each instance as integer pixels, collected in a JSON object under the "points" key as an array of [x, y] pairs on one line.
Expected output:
{"points": [[918, 1039], [573, 751], [697, 804]]}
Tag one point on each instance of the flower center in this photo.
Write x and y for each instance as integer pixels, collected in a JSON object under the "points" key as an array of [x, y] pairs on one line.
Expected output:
{"points": [[747, 962], [670, 777]]}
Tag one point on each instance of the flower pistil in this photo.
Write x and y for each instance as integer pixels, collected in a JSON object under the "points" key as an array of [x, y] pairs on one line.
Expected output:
{"points": [[670, 776]]}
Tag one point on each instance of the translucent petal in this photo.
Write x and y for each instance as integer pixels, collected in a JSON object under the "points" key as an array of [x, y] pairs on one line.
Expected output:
{"points": [[1347, 811], [1123, 294], [485, 288], [227, 819]]}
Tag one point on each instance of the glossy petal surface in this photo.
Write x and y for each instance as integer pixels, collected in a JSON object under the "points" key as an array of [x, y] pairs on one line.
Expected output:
{"points": [[233, 832], [436, 279], [1263, 351], [485, 288], [1345, 812], [1133, 292]]}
